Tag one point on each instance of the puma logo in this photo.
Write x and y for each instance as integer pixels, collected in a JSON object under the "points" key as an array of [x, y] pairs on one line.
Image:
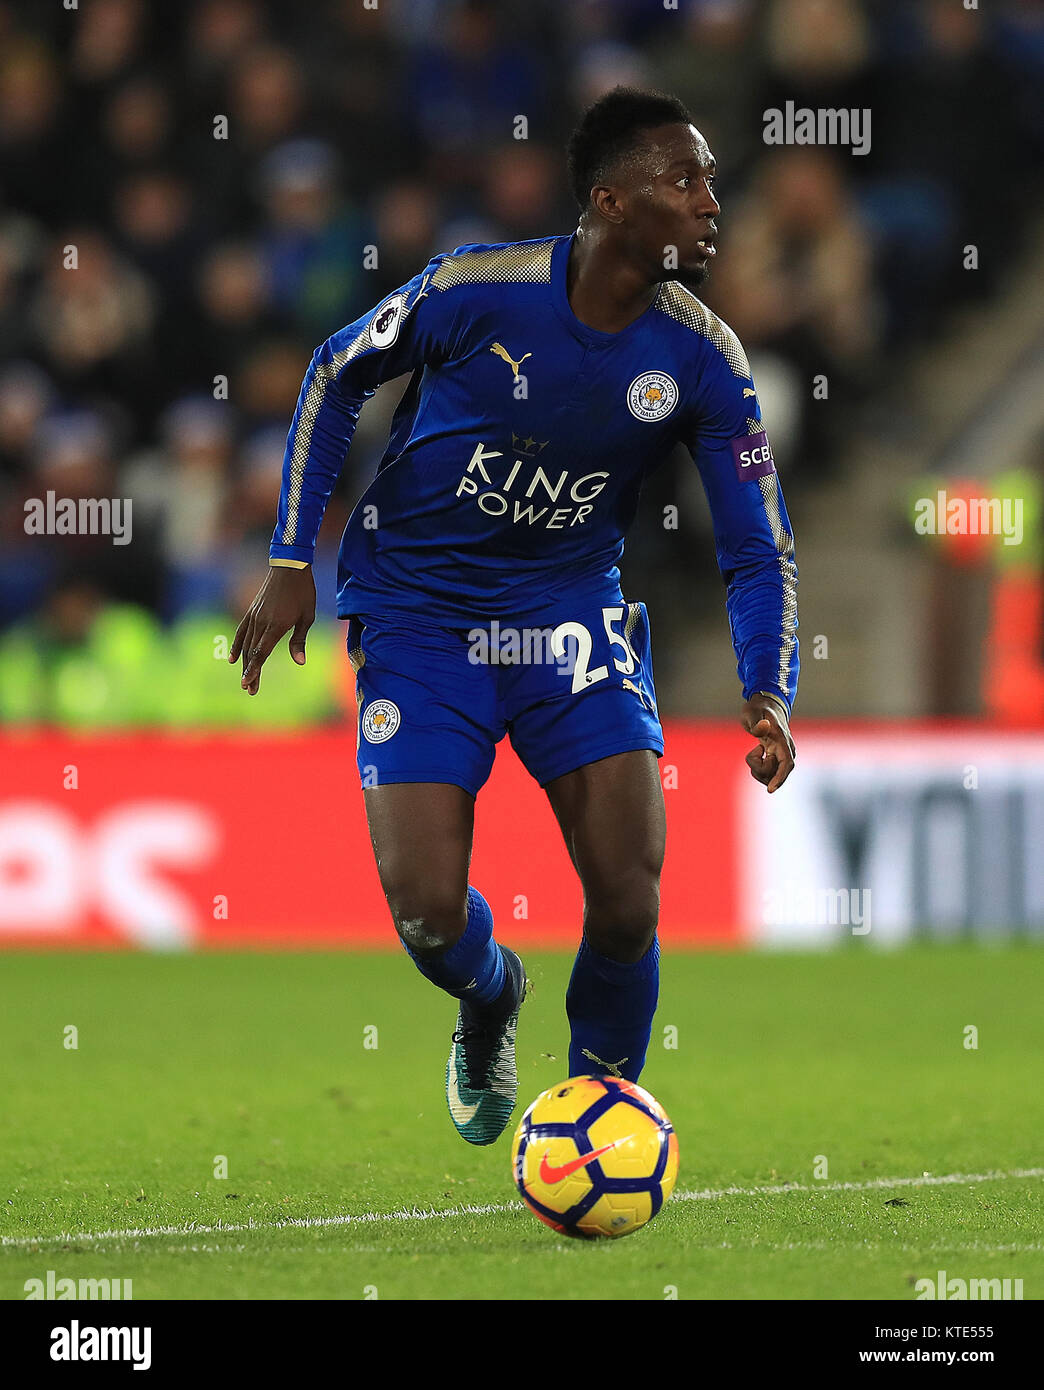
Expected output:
{"points": [[613, 1068], [499, 350], [747, 391]]}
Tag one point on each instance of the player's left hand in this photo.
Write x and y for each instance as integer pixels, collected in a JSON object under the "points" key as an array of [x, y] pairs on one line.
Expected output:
{"points": [[772, 762]]}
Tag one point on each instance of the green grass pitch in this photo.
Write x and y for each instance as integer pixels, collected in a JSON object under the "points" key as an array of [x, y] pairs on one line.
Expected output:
{"points": [[857, 1056]]}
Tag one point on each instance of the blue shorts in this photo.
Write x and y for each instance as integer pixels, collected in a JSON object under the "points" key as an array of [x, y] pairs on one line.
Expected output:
{"points": [[435, 701]]}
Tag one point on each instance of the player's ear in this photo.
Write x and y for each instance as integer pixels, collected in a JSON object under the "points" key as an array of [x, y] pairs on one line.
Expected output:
{"points": [[606, 203]]}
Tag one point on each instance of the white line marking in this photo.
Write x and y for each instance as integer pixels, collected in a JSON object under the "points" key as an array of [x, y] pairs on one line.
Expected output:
{"points": [[925, 1180], [870, 1247], [500, 1208]]}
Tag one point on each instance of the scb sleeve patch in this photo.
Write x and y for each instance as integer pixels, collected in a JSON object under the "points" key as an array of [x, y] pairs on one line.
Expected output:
{"points": [[752, 455]]}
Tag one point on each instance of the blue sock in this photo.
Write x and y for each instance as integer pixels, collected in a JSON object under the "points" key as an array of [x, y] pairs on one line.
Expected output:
{"points": [[473, 967], [610, 1006]]}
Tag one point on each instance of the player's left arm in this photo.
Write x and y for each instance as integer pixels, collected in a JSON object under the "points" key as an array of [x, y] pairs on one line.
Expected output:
{"points": [[754, 543], [772, 761]]}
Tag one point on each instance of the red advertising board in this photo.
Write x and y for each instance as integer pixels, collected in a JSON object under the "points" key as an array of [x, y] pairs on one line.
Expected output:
{"points": [[178, 842]]}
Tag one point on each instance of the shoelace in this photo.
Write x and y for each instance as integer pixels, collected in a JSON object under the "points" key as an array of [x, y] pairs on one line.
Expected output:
{"points": [[496, 1066]]}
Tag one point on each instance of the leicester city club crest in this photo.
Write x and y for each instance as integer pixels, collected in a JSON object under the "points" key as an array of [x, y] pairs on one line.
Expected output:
{"points": [[652, 396], [380, 720]]}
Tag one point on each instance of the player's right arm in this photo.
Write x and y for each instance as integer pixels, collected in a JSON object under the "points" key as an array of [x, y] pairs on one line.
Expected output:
{"points": [[411, 328]]}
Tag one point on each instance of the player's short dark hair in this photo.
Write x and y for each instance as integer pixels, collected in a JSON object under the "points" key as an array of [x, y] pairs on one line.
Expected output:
{"points": [[611, 129]]}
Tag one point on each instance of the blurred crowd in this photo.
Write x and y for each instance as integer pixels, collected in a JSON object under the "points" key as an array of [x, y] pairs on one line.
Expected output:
{"points": [[221, 166]]}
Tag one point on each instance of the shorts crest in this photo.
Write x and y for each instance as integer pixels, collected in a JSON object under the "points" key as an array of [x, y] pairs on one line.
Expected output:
{"points": [[380, 720]]}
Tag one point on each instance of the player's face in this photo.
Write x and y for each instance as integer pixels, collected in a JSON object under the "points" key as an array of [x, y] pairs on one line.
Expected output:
{"points": [[668, 202]]}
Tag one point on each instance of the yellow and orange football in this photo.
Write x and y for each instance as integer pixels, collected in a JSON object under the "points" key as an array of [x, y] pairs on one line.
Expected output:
{"points": [[595, 1156]]}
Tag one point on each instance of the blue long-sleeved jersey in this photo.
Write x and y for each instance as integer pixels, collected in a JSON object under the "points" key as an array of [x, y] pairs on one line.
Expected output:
{"points": [[517, 453]]}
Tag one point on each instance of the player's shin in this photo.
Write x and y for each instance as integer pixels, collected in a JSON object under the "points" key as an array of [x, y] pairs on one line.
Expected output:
{"points": [[473, 967], [610, 1005]]}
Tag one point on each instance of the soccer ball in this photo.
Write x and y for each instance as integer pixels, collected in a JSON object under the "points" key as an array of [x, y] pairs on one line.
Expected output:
{"points": [[595, 1156]]}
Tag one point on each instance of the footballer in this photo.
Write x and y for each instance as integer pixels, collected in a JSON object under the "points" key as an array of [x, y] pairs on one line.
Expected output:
{"points": [[549, 377]]}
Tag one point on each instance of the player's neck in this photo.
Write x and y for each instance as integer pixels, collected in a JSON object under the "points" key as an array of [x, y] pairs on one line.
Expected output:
{"points": [[605, 292]]}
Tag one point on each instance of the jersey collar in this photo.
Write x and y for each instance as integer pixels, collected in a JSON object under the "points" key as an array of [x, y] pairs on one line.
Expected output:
{"points": [[560, 253]]}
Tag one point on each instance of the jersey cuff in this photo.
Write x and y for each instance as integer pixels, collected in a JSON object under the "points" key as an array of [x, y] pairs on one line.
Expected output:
{"points": [[279, 555], [778, 699], [275, 563]]}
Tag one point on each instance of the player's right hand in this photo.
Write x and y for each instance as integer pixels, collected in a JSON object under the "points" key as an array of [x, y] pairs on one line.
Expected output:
{"points": [[285, 600]]}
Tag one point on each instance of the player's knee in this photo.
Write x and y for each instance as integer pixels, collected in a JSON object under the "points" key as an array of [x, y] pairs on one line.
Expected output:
{"points": [[429, 922], [621, 924]]}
